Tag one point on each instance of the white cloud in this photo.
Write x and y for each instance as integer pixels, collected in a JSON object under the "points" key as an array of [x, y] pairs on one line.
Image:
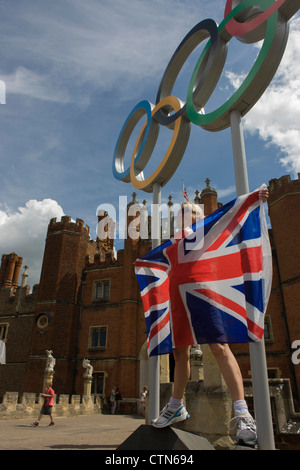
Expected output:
{"points": [[230, 191], [24, 233], [276, 116], [84, 46], [30, 83]]}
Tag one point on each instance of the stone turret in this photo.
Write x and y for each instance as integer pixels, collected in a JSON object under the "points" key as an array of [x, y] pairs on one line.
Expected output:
{"points": [[209, 198], [105, 233]]}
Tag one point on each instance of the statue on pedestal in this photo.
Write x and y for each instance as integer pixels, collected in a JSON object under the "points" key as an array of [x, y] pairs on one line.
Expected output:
{"points": [[88, 376], [89, 368], [50, 361], [49, 370]]}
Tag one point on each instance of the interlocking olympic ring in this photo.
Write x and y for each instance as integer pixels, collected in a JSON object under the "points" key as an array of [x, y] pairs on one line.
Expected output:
{"points": [[249, 21]]}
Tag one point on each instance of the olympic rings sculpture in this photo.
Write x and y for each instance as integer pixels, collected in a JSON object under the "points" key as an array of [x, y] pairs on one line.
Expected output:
{"points": [[247, 20]]}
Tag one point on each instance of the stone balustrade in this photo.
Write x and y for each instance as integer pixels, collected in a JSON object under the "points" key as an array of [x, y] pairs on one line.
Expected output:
{"points": [[29, 404]]}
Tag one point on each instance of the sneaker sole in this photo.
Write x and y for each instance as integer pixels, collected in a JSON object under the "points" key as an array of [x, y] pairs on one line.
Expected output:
{"points": [[182, 417], [241, 442]]}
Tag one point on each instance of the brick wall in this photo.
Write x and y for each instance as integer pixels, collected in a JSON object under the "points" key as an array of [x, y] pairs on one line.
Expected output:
{"points": [[284, 210]]}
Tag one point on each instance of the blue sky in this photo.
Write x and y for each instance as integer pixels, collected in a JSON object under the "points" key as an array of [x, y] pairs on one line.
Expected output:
{"points": [[73, 71]]}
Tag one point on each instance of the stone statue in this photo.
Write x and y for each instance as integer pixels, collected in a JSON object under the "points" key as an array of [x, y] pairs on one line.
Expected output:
{"points": [[196, 363], [196, 350], [50, 361], [89, 369]]}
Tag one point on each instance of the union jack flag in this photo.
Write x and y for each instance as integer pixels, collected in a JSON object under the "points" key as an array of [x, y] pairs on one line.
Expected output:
{"points": [[212, 284], [185, 194]]}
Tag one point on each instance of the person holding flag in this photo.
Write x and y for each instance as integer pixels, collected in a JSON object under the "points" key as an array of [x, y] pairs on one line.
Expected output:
{"points": [[184, 193], [214, 293]]}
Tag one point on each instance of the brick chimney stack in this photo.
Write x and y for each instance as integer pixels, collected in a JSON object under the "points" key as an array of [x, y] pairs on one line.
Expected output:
{"points": [[10, 270]]}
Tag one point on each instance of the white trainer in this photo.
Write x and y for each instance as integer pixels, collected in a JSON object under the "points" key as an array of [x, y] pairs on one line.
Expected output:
{"points": [[169, 416], [246, 428]]}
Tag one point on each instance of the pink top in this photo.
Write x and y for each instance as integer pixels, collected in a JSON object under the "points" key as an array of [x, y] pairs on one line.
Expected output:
{"points": [[49, 400]]}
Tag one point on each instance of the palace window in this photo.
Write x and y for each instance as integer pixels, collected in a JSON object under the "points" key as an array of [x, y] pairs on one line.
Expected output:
{"points": [[98, 337], [274, 373], [101, 290], [3, 331], [98, 383], [268, 330]]}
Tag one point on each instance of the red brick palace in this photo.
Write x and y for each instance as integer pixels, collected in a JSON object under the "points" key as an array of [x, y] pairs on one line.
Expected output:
{"points": [[87, 306]]}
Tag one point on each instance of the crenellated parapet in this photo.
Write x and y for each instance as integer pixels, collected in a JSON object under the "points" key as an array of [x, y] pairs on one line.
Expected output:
{"points": [[283, 187], [68, 225], [101, 259]]}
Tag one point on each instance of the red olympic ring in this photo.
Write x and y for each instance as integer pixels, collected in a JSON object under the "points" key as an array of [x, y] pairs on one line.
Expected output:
{"points": [[236, 28]]}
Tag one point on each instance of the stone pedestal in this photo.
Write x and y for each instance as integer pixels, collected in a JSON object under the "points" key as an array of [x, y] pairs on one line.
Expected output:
{"points": [[87, 386], [197, 372], [210, 410], [48, 377], [211, 372], [87, 377], [208, 401]]}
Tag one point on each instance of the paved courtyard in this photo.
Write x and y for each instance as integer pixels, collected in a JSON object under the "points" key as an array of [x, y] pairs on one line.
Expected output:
{"points": [[92, 432]]}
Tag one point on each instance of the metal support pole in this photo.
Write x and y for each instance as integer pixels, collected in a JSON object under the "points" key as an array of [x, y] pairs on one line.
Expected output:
{"points": [[154, 361], [239, 154], [262, 405]]}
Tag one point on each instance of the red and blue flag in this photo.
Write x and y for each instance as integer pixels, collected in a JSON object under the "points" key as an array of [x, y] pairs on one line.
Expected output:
{"points": [[211, 285]]}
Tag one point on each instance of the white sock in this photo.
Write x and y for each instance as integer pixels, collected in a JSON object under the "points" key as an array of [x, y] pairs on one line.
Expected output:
{"points": [[175, 402], [241, 406]]}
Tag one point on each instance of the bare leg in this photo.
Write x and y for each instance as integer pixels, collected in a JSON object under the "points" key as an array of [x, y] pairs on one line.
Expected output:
{"points": [[175, 411], [181, 371], [246, 428], [226, 361], [229, 369]]}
